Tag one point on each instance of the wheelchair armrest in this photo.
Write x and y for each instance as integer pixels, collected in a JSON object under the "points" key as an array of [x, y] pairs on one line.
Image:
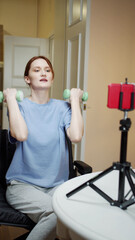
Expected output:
{"points": [[82, 167]]}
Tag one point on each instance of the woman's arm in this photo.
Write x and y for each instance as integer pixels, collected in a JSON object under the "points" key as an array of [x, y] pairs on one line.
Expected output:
{"points": [[76, 128], [18, 127]]}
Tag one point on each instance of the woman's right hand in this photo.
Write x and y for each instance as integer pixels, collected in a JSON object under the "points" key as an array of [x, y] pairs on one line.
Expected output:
{"points": [[9, 94]]}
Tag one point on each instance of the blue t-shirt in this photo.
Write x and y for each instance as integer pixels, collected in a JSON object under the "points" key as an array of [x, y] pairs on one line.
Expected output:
{"points": [[42, 159]]}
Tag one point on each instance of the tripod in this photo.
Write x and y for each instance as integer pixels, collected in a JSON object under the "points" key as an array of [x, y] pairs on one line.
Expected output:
{"points": [[124, 168]]}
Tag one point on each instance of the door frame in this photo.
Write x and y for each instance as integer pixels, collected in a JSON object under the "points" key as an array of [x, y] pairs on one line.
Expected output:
{"points": [[86, 64]]}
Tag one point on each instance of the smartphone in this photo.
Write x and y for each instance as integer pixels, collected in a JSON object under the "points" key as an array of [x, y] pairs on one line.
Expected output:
{"points": [[121, 96]]}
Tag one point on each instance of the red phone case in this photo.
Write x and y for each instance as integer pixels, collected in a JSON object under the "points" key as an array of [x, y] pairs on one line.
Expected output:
{"points": [[113, 95], [115, 91], [127, 90]]}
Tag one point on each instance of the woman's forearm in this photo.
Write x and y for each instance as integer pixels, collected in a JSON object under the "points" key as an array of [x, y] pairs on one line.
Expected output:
{"points": [[76, 129], [18, 127], [17, 124]]}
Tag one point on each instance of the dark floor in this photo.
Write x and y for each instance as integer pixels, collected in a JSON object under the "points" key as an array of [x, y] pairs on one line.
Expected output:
{"points": [[10, 233]]}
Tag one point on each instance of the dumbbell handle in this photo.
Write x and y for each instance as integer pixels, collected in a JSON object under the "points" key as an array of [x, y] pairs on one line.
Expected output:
{"points": [[66, 95], [19, 96]]}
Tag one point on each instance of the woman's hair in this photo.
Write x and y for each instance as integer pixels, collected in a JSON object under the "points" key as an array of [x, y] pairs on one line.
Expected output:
{"points": [[28, 65]]}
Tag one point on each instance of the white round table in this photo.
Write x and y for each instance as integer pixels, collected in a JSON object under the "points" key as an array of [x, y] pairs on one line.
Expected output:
{"points": [[87, 215]]}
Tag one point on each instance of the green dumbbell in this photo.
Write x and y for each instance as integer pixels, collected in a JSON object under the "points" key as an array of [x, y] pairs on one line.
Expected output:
{"points": [[19, 96], [66, 95]]}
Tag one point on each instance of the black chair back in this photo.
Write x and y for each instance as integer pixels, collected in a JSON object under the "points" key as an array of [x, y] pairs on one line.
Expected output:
{"points": [[72, 171], [6, 154]]}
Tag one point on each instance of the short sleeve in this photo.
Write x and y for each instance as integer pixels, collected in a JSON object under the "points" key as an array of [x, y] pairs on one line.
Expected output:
{"points": [[67, 116]]}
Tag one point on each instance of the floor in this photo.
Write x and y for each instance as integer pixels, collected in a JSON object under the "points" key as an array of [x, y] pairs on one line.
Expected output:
{"points": [[10, 233]]}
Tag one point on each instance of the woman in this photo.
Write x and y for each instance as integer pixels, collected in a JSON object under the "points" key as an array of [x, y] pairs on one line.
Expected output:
{"points": [[40, 162]]}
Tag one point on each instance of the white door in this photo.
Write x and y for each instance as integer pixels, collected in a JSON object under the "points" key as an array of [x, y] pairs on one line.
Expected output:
{"points": [[75, 75], [17, 52], [71, 43]]}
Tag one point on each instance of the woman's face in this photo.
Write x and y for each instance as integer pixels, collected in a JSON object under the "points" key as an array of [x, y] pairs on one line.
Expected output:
{"points": [[40, 75]]}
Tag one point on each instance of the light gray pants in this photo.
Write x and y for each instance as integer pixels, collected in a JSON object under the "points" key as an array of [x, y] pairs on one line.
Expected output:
{"points": [[36, 202]]}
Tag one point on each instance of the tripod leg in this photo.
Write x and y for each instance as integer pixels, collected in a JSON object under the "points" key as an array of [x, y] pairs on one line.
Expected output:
{"points": [[103, 194], [130, 182], [87, 183], [69, 194], [130, 200], [102, 174], [132, 172]]}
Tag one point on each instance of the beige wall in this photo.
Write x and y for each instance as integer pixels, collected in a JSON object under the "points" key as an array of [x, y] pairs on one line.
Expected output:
{"points": [[45, 18], [19, 17], [27, 18], [111, 59]]}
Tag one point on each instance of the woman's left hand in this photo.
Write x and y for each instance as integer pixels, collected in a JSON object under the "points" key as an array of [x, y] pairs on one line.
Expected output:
{"points": [[76, 93]]}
